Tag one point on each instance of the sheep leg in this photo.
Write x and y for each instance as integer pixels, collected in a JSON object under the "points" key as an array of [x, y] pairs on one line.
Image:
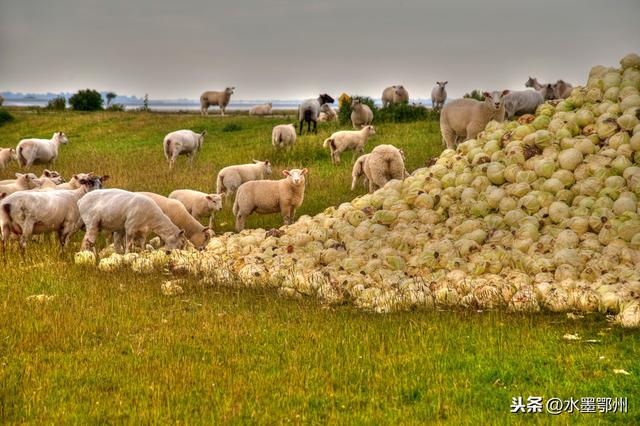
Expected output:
{"points": [[308, 126], [301, 124], [90, 235], [315, 127], [240, 220], [287, 214], [211, 221], [222, 111], [27, 232], [449, 136]]}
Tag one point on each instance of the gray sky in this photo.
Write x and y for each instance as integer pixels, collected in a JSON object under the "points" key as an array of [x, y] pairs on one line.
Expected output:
{"points": [[291, 49]]}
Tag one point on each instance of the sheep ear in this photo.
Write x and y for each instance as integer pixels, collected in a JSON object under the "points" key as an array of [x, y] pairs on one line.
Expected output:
{"points": [[209, 197], [12, 150], [18, 175], [181, 233], [486, 94], [104, 178], [266, 162], [47, 173], [255, 161], [505, 92], [446, 82], [285, 172], [84, 182], [305, 171], [2, 195], [75, 177]]}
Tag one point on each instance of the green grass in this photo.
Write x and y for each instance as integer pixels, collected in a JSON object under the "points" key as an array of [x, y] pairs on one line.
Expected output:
{"points": [[110, 348]]}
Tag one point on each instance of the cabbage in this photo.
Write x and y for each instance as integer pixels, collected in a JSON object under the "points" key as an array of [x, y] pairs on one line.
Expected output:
{"points": [[570, 158]]}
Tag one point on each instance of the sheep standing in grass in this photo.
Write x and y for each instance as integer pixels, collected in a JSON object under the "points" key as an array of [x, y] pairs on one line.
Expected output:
{"points": [[384, 163], [396, 94], [522, 102], [270, 196], [463, 119], [309, 110], [74, 182], [21, 183], [129, 216], [40, 151], [182, 142], [264, 109], [358, 170], [348, 139], [361, 114], [198, 204], [6, 156], [283, 135], [439, 95], [231, 177], [210, 98], [562, 89], [327, 114]]}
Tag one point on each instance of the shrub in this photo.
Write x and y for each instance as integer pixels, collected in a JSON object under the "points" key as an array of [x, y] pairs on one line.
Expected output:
{"points": [[86, 100], [5, 116], [59, 103], [115, 107], [475, 94], [344, 102], [404, 113], [232, 127]]}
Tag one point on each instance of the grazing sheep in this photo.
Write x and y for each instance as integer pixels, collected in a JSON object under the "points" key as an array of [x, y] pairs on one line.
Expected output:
{"points": [[182, 142], [211, 98], [283, 135], [358, 170], [27, 213], [396, 94], [384, 163], [463, 119], [40, 151], [533, 83], [22, 182], [327, 114], [562, 89], [6, 155], [194, 231], [270, 196], [361, 114], [264, 109], [199, 204], [348, 139], [128, 215], [439, 95], [309, 110], [522, 102], [231, 177]]}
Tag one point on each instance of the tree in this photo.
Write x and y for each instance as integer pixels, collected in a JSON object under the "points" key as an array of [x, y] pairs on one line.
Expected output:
{"points": [[110, 97], [475, 94], [86, 100]]}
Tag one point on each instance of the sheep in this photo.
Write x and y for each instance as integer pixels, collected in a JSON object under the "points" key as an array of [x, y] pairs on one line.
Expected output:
{"points": [[384, 163], [339, 142], [182, 142], [309, 110], [533, 83], [74, 182], [231, 177], [396, 94], [522, 102], [264, 109], [439, 95], [358, 170], [129, 216], [44, 184], [30, 212], [40, 151], [6, 155], [562, 89], [199, 204], [194, 231], [361, 114], [327, 114], [210, 98], [270, 196], [46, 174], [463, 119], [547, 92], [283, 135], [22, 182]]}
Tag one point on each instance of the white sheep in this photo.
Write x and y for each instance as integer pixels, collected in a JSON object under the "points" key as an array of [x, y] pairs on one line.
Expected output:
{"points": [[26, 213], [194, 231], [270, 196], [198, 204], [327, 114], [264, 109], [21, 183], [439, 95], [358, 170], [309, 110], [384, 163], [396, 94], [74, 182], [6, 156], [522, 102], [533, 83], [129, 216], [40, 151], [231, 177], [341, 141], [361, 114], [546, 90], [283, 135], [210, 98], [463, 119], [182, 142], [562, 89]]}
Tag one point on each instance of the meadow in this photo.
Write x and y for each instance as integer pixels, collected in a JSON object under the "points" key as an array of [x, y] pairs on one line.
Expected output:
{"points": [[110, 348]]}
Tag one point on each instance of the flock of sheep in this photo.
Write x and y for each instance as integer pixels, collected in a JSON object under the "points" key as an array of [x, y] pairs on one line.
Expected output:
{"points": [[36, 205]]}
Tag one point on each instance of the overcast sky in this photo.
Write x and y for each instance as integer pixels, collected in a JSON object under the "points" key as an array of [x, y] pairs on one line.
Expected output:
{"points": [[291, 49]]}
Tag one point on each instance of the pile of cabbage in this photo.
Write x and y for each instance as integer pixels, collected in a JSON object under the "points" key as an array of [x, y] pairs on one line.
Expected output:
{"points": [[535, 214]]}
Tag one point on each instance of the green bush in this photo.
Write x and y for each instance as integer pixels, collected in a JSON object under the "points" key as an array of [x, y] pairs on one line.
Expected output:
{"points": [[232, 127], [59, 103], [115, 107], [404, 113], [86, 100], [5, 116], [344, 114], [475, 94]]}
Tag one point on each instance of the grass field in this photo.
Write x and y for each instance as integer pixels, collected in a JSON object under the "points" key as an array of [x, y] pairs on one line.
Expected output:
{"points": [[113, 349]]}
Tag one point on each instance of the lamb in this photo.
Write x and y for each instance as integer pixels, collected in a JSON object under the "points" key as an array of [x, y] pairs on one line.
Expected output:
{"points": [[384, 163], [271, 196], [264, 109], [6, 155], [361, 114], [439, 95], [30, 212], [128, 215], [283, 135], [309, 110], [348, 139], [358, 170], [22, 182], [74, 182], [522, 102], [463, 119], [396, 94], [327, 114], [199, 204], [40, 151], [194, 231], [562, 89], [182, 142], [231, 177], [210, 98]]}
